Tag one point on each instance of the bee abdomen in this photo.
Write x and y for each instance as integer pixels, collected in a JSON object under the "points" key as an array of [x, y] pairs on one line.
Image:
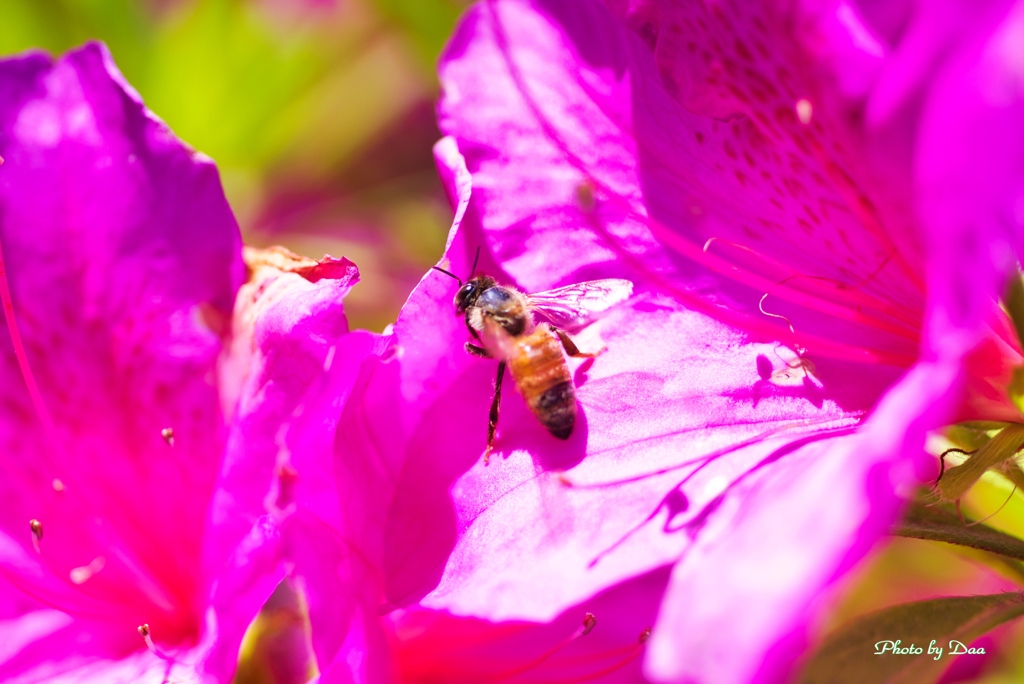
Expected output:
{"points": [[556, 409], [543, 378]]}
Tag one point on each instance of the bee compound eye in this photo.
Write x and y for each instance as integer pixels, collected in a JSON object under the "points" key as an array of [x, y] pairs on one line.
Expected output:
{"points": [[463, 295]]}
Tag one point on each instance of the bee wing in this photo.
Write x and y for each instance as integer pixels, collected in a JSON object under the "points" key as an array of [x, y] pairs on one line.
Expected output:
{"points": [[575, 306]]}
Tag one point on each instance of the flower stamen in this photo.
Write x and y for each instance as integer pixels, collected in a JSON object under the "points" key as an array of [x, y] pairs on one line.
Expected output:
{"points": [[673, 240], [589, 622], [631, 654], [555, 665], [827, 347], [147, 636], [760, 306], [37, 533], [168, 435], [144, 633]]}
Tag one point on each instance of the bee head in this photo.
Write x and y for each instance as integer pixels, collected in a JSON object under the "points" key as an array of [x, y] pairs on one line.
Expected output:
{"points": [[470, 291]]}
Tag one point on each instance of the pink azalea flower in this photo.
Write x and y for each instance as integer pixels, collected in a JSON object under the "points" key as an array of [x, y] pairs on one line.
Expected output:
{"points": [[141, 403], [751, 444], [436, 646]]}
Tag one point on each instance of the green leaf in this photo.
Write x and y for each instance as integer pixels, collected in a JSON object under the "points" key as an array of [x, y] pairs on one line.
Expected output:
{"points": [[956, 481], [972, 435], [429, 23], [943, 524], [1016, 388], [849, 654]]}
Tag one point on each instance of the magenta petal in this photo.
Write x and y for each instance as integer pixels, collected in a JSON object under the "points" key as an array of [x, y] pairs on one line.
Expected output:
{"points": [[140, 667], [240, 589], [970, 171], [591, 155], [729, 191], [412, 399], [920, 37], [331, 526], [340, 587], [123, 259], [674, 414], [289, 320], [674, 387], [46, 645], [789, 532], [293, 365], [601, 639]]}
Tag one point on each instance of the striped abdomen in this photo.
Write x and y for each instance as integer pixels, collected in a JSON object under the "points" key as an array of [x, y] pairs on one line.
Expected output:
{"points": [[542, 376]]}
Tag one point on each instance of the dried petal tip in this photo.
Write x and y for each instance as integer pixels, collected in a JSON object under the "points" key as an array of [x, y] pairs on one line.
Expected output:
{"points": [[168, 435], [644, 636], [37, 529], [589, 622], [144, 630]]}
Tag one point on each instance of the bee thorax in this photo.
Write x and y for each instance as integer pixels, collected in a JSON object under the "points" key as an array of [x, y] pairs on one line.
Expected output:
{"points": [[506, 307]]}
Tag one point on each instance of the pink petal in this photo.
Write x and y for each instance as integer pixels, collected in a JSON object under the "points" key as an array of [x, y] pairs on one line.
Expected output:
{"points": [[295, 363], [438, 646], [288, 321], [786, 205], [123, 259], [589, 151], [134, 316], [44, 645], [790, 533], [675, 387], [241, 586], [970, 169]]}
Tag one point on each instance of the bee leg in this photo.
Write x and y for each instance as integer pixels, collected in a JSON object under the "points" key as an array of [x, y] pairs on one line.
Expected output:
{"points": [[492, 423], [572, 350], [477, 350]]}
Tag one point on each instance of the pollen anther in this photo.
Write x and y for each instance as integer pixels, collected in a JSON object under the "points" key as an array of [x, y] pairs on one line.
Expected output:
{"points": [[168, 435], [585, 196]]}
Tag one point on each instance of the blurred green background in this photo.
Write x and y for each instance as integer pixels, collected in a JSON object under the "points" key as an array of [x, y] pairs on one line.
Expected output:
{"points": [[319, 113]]}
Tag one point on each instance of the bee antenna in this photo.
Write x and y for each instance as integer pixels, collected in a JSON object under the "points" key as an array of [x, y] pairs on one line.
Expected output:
{"points": [[475, 260], [448, 273]]}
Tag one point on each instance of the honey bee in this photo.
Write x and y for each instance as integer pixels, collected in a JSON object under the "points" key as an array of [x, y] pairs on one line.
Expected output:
{"points": [[502, 322]]}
